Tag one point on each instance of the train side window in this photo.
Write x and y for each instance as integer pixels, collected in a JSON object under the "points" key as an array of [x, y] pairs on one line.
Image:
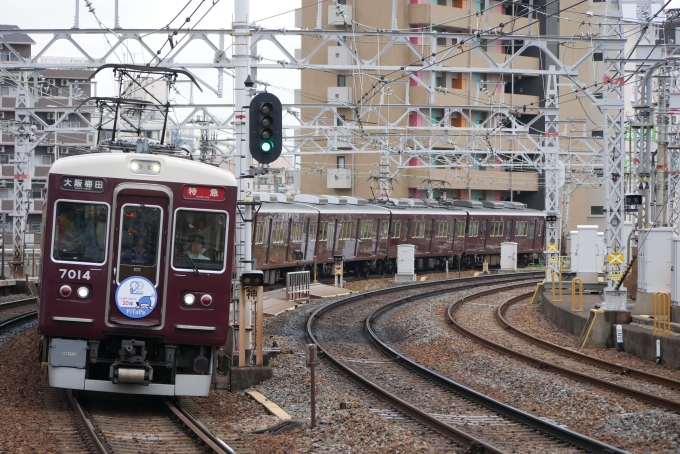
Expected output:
{"points": [[80, 232], [540, 228], [428, 230], [442, 228], [312, 231], [331, 235], [483, 232], [461, 229], [200, 239], [366, 230], [405, 230], [296, 233], [494, 228], [353, 233], [474, 229], [259, 233], [277, 232], [509, 228], [323, 231], [396, 229], [532, 229], [384, 229]]}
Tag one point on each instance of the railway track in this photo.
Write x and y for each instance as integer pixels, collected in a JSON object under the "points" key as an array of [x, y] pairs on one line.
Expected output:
{"points": [[123, 424], [472, 420], [16, 312], [568, 372]]}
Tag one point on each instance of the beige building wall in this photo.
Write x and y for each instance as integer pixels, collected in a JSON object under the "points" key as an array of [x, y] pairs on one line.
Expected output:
{"points": [[580, 121]]}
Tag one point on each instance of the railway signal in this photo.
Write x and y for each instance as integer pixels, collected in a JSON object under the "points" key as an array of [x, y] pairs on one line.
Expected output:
{"points": [[266, 133]]}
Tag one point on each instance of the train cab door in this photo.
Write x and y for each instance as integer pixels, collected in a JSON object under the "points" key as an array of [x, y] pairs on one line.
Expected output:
{"points": [[138, 258]]}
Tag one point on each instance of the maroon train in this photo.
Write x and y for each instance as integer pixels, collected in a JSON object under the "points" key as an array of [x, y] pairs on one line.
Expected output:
{"points": [[135, 283], [367, 235]]}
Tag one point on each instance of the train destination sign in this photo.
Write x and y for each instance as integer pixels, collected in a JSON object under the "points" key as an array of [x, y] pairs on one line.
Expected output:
{"points": [[82, 184], [204, 193]]}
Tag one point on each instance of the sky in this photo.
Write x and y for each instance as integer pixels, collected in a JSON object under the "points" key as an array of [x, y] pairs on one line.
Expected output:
{"points": [[155, 14]]}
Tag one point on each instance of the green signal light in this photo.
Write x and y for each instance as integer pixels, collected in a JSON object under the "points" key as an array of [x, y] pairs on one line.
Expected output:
{"points": [[266, 146]]}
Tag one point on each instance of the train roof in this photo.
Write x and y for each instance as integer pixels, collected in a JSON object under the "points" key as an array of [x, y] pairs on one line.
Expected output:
{"points": [[274, 207], [117, 165]]}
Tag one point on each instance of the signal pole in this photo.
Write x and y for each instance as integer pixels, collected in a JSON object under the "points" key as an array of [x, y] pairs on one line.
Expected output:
{"points": [[243, 247]]}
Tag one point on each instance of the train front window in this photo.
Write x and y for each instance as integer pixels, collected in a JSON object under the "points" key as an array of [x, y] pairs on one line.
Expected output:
{"points": [[80, 232], [140, 227], [200, 240]]}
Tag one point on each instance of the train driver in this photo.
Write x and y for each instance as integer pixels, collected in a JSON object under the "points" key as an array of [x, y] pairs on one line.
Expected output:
{"points": [[195, 251], [138, 255], [66, 236]]}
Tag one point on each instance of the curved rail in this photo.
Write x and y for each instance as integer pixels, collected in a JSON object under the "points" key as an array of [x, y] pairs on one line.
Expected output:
{"points": [[646, 397], [6, 324], [571, 437], [503, 308], [410, 410], [29, 300]]}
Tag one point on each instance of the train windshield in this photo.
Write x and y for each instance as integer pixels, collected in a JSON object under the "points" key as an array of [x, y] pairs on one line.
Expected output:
{"points": [[200, 240], [139, 241], [80, 232]]}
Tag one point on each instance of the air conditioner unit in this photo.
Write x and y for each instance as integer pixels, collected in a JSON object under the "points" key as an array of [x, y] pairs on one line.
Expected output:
{"points": [[52, 81], [50, 115], [64, 83], [2, 148], [2, 114]]}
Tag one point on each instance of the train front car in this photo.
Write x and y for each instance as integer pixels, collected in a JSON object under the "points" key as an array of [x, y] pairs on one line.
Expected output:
{"points": [[135, 283]]}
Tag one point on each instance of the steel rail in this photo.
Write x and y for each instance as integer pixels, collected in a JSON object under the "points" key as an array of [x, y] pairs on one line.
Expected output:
{"points": [[197, 427], [5, 324], [30, 300], [503, 308], [410, 410], [646, 397], [566, 435], [88, 430]]}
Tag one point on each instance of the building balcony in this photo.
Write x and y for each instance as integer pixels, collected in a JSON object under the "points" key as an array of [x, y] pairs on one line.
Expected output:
{"points": [[426, 14]]}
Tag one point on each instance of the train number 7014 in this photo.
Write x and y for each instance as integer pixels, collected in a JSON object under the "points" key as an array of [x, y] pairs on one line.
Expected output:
{"points": [[74, 274]]}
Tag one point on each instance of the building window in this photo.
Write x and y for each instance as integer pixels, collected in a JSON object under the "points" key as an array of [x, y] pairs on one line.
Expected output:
{"points": [[4, 91], [341, 80], [596, 210], [340, 121], [342, 2], [4, 159], [35, 227], [341, 162]]}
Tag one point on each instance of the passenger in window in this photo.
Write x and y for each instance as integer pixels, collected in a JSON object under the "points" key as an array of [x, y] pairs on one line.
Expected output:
{"points": [[195, 251], [67, 240], [137, 255]]}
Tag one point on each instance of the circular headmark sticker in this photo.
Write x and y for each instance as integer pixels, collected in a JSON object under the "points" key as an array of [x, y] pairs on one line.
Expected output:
{"points": [[136, 297]]}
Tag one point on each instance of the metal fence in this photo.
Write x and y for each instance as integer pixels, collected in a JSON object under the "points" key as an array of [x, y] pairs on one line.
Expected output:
{"points": [[297, 285]]}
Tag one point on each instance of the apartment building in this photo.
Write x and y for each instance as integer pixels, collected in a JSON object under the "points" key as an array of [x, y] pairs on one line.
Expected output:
{"points": [[56, 88], [482, 76]]}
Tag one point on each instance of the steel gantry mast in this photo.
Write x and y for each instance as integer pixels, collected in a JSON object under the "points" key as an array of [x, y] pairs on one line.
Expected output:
{"points": [[550, 149], [612, 107]]}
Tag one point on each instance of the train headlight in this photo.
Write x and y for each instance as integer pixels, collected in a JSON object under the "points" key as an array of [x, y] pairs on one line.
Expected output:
{"points": [[206, 300], [136, 167], [189, 299], [154, 168], [83, 292], [139, 167], [65, 291]]}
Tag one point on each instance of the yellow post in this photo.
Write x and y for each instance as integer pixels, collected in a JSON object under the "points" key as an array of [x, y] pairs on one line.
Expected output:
{"points": [[259, 331], [242, 328], [580, 294], [662, 313], [559, 278]]}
